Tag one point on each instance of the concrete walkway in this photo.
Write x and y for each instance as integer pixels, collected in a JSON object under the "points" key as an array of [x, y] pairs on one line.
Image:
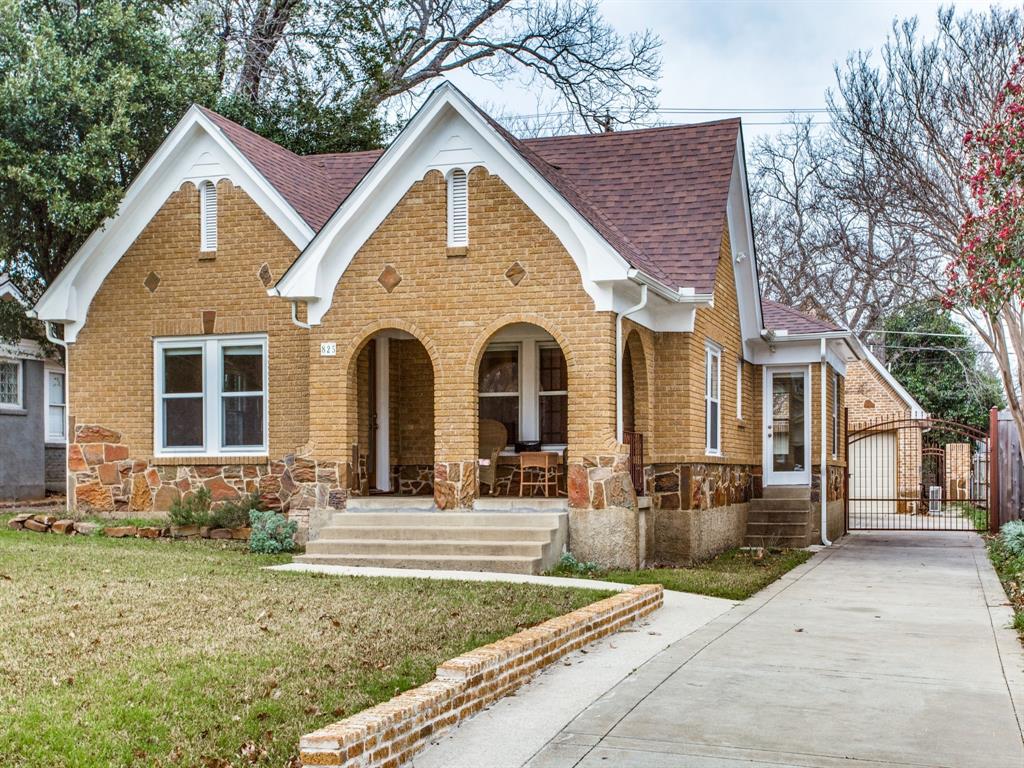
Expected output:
{"points": [[887, 650]]}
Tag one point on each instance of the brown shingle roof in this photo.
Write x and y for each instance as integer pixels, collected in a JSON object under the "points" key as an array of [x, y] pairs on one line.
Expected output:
{"points": [[658, 195], [778, 317]]}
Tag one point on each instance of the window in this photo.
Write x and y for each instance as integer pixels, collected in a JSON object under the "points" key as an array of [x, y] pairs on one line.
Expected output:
{"points": [[739, 388], [713, 399], [499, 388], [207, 216], [55, 404], [211, 395], [10, 384], [554, 396], [458, 209], [835, 414]]}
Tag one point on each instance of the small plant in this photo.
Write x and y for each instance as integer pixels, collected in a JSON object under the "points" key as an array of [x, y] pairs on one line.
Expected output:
{"points": [[271, 532], [570, 566], [235, 514], [193, 509], [1012, 537]]}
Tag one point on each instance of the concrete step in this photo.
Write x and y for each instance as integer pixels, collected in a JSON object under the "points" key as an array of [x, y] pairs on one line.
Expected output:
{"points": [[386, 503], [781, 505], [786, 492], [355, 530], [427, 547], [451, 519], [783, 542], [773, 516], [491, 563], [520, 504], [782, 529]]}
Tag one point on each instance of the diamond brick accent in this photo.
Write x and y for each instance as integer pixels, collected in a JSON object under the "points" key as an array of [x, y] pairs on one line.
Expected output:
{"points": [[515, 273], [389, 278], [265, 275], [152, 282]]}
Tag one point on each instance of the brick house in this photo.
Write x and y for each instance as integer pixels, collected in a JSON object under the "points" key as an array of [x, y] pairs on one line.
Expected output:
{"points": [[330, 331]]}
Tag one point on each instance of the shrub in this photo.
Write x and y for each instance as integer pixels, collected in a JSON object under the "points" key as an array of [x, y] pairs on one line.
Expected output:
{"points": [[193, 509], [570, 566], [235, 514], [271, 532], [1012, 537]]}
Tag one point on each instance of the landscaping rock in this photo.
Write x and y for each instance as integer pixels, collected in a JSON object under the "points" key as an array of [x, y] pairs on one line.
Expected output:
{"points": [[121, 532], [63, 526], [86, 529], [21, 518], [221, 533], [241, 534], [45, 519], [34, 525], [184, 531], [150, 532], [15, 524]]}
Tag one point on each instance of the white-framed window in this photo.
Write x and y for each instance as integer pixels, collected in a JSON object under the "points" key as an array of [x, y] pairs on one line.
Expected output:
{"points": [[525, 386], [11, 384], [211, 395], [739, 388], [56, 405], [458, 208], [835, 414], [207, 216], [713, 399]]}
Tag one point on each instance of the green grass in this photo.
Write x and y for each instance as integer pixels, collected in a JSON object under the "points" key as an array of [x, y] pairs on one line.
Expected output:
{"points": [[1010, 569], [168, 653], [734, 575], [977, 515]]}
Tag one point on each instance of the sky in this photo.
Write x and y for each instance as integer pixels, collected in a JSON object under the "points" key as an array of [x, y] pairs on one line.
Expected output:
{"points": [[739, 55]]}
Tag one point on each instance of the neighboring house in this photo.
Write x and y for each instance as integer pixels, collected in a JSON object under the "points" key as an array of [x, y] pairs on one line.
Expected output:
{"points": [[32, 409], [330, 329], [885, 464]]}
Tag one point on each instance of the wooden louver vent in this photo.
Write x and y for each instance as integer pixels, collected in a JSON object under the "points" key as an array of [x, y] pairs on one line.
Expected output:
{"points": [[458, 209], [208, 217]]}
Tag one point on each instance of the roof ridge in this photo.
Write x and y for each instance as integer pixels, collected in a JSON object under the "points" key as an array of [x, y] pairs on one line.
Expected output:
{"points": [[633, 131]]}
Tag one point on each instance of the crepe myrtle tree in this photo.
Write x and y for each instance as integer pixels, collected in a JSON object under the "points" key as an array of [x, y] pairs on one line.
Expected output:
{"points": [[986, 276]]}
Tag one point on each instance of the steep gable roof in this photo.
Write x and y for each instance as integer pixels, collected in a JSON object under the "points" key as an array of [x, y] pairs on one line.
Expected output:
{"points": [[657, 196], [779, 317]]}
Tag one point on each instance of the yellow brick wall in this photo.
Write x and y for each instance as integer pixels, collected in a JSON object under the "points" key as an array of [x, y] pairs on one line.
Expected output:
{"points": [[111, 363], [453, 304], [412, 403]]}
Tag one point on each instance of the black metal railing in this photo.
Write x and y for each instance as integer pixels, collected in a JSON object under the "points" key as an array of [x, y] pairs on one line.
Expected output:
{"points": [[635, 441]]}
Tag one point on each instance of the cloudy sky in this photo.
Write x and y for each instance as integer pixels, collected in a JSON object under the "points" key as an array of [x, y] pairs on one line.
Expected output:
{"points": [[744, 54]]}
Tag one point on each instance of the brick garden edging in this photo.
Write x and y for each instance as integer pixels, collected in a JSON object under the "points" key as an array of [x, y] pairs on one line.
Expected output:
{"points": [[390, 734]]}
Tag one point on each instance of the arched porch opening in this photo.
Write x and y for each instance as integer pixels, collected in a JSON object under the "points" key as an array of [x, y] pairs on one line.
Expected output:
{"points": [[636, 432], [523, 408], [393, 452]]}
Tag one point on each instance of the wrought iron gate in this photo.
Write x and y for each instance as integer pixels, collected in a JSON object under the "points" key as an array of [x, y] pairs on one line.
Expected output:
{"points": [[918, 475]]}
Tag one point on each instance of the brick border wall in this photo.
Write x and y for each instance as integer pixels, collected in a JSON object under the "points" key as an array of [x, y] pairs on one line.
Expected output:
{"points": [[389, 735]]}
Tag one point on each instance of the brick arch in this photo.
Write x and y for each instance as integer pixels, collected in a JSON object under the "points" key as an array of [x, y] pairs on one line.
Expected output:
{"points": [[477, 350], [363, 336], [640, 356]]}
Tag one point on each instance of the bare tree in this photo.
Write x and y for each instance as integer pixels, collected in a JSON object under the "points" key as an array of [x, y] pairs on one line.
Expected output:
{"points": [[366, 52]]}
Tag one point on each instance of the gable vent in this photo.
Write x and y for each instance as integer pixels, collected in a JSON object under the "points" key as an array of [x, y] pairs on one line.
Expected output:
{"points": [[458, 209], [208, 216]]}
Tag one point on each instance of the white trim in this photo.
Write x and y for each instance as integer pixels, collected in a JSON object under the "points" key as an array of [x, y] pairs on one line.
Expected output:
{"points": [[771, 477], [55, 438], [196, 150], [916, 409], [739, 221], [8, 290], [212, 395], [382, 398], [712, 352], [739, 388], [19, 372]]}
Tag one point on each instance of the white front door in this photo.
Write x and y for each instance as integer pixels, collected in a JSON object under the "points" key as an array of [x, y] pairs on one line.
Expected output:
{"points": [[787, 419]]}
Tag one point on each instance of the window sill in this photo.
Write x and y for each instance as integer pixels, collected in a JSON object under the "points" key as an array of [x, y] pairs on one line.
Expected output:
{"points": [[56, 442], [457, 251], [10, 411], [206, 459]]}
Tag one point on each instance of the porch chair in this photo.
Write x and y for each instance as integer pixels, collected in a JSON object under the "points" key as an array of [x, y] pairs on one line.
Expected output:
{"points": [[538, 469], [493, 439]]}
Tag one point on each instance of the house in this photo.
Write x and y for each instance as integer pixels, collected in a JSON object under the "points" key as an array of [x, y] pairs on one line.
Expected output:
{"points": [[32, 405], [331, 332]]}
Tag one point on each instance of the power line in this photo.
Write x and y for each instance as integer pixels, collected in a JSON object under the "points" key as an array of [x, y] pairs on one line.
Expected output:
{"points": [[918, 333]]}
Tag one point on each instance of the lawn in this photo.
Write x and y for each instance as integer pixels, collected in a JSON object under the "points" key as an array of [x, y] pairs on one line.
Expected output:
{"points": [[734, 575], [162, 653]]}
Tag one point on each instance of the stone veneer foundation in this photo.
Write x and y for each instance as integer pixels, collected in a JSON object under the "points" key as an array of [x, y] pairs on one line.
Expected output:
{"points": [[389, 735]]}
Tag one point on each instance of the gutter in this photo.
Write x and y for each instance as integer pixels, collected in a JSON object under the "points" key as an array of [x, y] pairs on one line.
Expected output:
{"points": [[54, 339], [618, 359], [822, 489], [676, 295], [295, 317]]}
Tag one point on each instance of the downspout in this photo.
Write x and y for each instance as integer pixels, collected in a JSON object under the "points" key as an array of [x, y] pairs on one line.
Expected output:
{"points": [[295, 317], [822, 487], [618, 359], [53, 339]]}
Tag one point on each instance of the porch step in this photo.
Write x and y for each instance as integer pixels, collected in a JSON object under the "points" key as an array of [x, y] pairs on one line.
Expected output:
{"points": [[755, 515], [520, 504], [780, 505], [391, 503], [786, 492], [510, 542], [781, 518]]}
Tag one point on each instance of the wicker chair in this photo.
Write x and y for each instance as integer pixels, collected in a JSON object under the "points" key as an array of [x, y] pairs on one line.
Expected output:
{"points": [[493, 439]]}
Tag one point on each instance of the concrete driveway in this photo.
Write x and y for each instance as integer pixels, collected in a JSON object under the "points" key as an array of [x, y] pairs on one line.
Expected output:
{"points": [[887, 650]]}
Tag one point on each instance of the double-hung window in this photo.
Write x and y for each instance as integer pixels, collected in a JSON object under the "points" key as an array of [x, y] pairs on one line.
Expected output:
{"points": [[211, 395], [56, 403], [713, 399], [11, 384], [835, 414], [554, 396], [739, 388], [499, 387]]}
